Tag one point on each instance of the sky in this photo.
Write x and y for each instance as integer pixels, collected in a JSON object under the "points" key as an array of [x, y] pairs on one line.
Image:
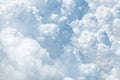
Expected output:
{"points": [[59, 39]]}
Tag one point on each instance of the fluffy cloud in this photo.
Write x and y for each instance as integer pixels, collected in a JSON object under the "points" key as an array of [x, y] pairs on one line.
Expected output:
{"points": [[19, 15], [99, 27], [59, 40], [50, 30], [25, 58]]}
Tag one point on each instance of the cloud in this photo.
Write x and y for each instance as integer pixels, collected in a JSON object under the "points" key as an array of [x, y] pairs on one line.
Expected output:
{"points": [[67, 78], [99, 27], [25, 57], [59, 40], [114, 75], [50, 30], [19, 15]]}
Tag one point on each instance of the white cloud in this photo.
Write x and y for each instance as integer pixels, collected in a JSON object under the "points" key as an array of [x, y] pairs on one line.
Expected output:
{"points": [[116, 10], [24, 55], [19, 15], [116, 27], [98, 27], [59, 39], [67, 6], [90, 71], [67, 78], [114, 75], [50, 30]]}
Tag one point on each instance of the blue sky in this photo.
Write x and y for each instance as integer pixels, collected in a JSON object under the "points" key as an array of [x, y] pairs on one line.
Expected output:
{"points": [[59, 40]]}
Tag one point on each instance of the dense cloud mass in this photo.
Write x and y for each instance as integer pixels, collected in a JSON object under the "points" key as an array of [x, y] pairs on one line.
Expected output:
{"points": [[59, 39]]}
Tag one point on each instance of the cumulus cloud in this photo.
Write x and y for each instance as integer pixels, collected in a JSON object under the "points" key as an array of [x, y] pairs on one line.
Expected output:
{"points": [[99, 27], [25, 57], [59, 40], [50, 30]]}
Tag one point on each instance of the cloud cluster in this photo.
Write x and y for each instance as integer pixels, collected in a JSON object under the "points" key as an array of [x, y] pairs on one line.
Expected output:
{"points": [[25, 58], [96, 38], [59, 40]]}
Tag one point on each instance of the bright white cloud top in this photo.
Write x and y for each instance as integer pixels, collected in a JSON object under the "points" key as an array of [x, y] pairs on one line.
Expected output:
{"points": [[59, 39]]}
